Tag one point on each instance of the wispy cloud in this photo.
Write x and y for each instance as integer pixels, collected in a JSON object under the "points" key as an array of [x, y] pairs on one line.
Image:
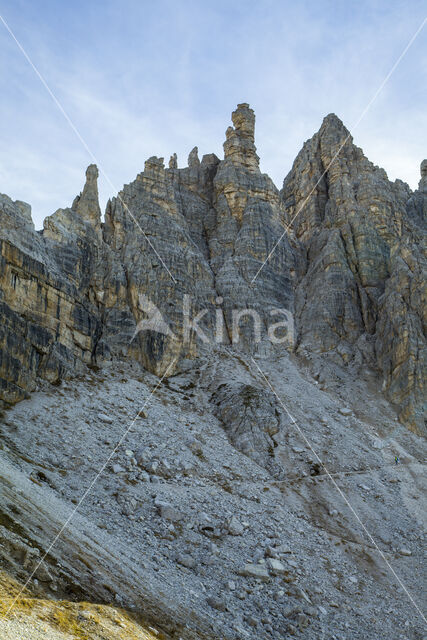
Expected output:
{"points": [[142, 78]]}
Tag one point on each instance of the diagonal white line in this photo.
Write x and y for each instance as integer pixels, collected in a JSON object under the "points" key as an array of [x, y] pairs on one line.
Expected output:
{"points": [[342, 494], [362, 115], [79, 136], [86, 493]]}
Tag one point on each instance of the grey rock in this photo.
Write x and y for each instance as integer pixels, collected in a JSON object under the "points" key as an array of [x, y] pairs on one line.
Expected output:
{"points": [[142, 456], [359, 241], [258, 555], [186, 560], [251, 621], [117, 468], [250, 416], [360, 233], [292, 612], [217, 603], [303, 621], [255, 571], [193, 159], [276, 567], [173, 162], [154, 466], [168, 512], [234, 527]]}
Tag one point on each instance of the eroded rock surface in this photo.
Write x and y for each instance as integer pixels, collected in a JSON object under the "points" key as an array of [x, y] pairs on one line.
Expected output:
{"points": [[203, 239], [184, 238], [251, 418], [361, 293]]}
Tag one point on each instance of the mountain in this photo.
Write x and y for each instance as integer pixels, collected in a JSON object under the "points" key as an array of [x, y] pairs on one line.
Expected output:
{"points": [[243, 364]]}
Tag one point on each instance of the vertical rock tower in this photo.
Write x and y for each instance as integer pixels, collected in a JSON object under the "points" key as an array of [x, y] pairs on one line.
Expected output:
{"points": [[87, 203], [239, 146]]}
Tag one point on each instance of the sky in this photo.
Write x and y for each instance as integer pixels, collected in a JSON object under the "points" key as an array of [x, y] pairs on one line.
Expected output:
{"points": [[139, 78]]}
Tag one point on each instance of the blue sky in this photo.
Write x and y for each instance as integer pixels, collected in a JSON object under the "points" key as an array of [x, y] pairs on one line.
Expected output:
{"points": [[143, 78]]}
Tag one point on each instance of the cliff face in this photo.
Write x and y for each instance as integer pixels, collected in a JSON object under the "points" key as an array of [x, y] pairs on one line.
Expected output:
{"points": [[360, 297], [50, 318], [174, 240]]}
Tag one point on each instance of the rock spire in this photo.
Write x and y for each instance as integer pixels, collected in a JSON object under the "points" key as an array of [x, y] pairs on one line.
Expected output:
{"points": [[87, 203], [239, 146]]}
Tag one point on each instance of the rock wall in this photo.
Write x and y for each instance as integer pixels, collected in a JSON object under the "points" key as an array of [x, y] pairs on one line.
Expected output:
{"points": [[360, 296], [48, 323], [350, 264]]}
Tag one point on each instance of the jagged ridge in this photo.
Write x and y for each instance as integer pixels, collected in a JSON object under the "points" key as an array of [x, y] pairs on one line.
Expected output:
{"points": [[351, 266]]}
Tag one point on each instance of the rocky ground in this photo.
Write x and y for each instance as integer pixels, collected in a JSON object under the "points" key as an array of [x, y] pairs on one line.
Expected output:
{"points": [[212, 516]]}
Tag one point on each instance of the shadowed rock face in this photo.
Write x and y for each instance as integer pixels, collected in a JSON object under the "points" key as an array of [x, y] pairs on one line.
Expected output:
{"points": [[251, 418], [351, 265]]}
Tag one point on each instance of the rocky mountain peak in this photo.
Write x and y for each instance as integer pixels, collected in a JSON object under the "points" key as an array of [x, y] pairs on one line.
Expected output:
{"points": [[82, 219], [244, 121], [213, 225], [335, 145], [173, 161], [18, 213], [193, 158], [423, 182], [154, 167], [333, 122], [87, 203], [239, 146], [92, 174]]}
